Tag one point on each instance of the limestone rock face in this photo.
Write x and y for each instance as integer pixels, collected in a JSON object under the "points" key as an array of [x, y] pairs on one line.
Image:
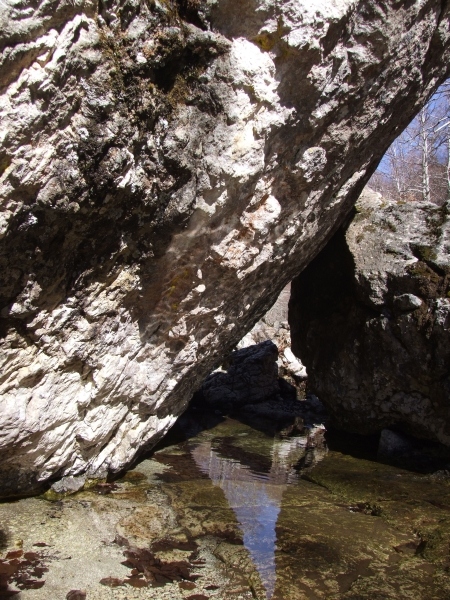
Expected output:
{"points": [[274, 326], [370, 317], [166, 168]]}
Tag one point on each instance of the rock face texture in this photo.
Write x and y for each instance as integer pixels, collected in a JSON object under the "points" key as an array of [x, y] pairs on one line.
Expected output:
{"points": [[166, 168], [274, 327], [252, 377], [370, 317]]}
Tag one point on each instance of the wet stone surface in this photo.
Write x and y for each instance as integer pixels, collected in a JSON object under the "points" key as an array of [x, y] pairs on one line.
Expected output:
{"points": [[227, 511]]}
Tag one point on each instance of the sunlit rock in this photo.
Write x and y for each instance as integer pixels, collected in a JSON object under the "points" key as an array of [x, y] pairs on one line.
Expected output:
{"points": [[274, 326], [164, 172]]}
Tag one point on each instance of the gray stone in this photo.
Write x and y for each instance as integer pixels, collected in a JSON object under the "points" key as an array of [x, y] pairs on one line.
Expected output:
{"points": [[164, 172], [407, 302], [370, 318], [393, 445], [76, 595], [251, 378], [69, 485]]}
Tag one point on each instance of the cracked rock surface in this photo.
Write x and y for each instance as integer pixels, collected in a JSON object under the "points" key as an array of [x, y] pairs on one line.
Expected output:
{"points": [[165, 169], [370, 317]]}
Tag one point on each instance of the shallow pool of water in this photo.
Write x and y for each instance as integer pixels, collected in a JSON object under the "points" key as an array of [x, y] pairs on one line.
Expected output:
{"points": [[232, 512]]}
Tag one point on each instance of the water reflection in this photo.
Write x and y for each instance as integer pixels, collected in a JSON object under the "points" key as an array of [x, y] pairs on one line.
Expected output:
{"points": [[254, 495]]}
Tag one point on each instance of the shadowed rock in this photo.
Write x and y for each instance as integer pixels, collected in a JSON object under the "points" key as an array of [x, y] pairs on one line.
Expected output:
{"points": [[370, 318]]}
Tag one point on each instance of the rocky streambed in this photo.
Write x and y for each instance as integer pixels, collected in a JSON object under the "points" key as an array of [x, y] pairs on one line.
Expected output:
{"points": [[229, 511]]}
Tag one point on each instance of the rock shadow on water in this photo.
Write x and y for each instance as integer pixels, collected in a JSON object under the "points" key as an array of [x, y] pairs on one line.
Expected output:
{"points": [[395, 448]]}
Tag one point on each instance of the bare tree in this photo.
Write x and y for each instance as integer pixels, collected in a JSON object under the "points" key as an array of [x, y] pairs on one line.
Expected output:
{"points": [[443, 130], [417, 164]]}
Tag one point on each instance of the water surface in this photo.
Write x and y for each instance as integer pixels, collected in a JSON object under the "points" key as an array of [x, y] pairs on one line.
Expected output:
{"points": [[232, 512]]}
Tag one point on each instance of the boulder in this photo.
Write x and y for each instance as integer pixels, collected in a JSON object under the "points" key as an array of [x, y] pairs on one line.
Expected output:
{"points": [[370, 318], [274, 326], [165, 169], [248, 388], [251, 378]]}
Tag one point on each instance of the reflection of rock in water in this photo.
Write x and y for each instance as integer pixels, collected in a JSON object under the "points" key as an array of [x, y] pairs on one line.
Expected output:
{"points": [[255, 497], [291, 454]]}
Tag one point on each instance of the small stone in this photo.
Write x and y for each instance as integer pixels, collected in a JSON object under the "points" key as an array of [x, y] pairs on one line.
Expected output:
{"points": [[407, 302], [187, 585], [76, 595], [294, 365], [69, 485], [393, 444]]}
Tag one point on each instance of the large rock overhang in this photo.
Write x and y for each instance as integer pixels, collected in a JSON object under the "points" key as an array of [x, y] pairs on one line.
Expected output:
{"points": [[165, 171]]}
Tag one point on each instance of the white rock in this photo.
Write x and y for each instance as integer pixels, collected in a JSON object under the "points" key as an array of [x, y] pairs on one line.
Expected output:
{"points": [[122, 184]]}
